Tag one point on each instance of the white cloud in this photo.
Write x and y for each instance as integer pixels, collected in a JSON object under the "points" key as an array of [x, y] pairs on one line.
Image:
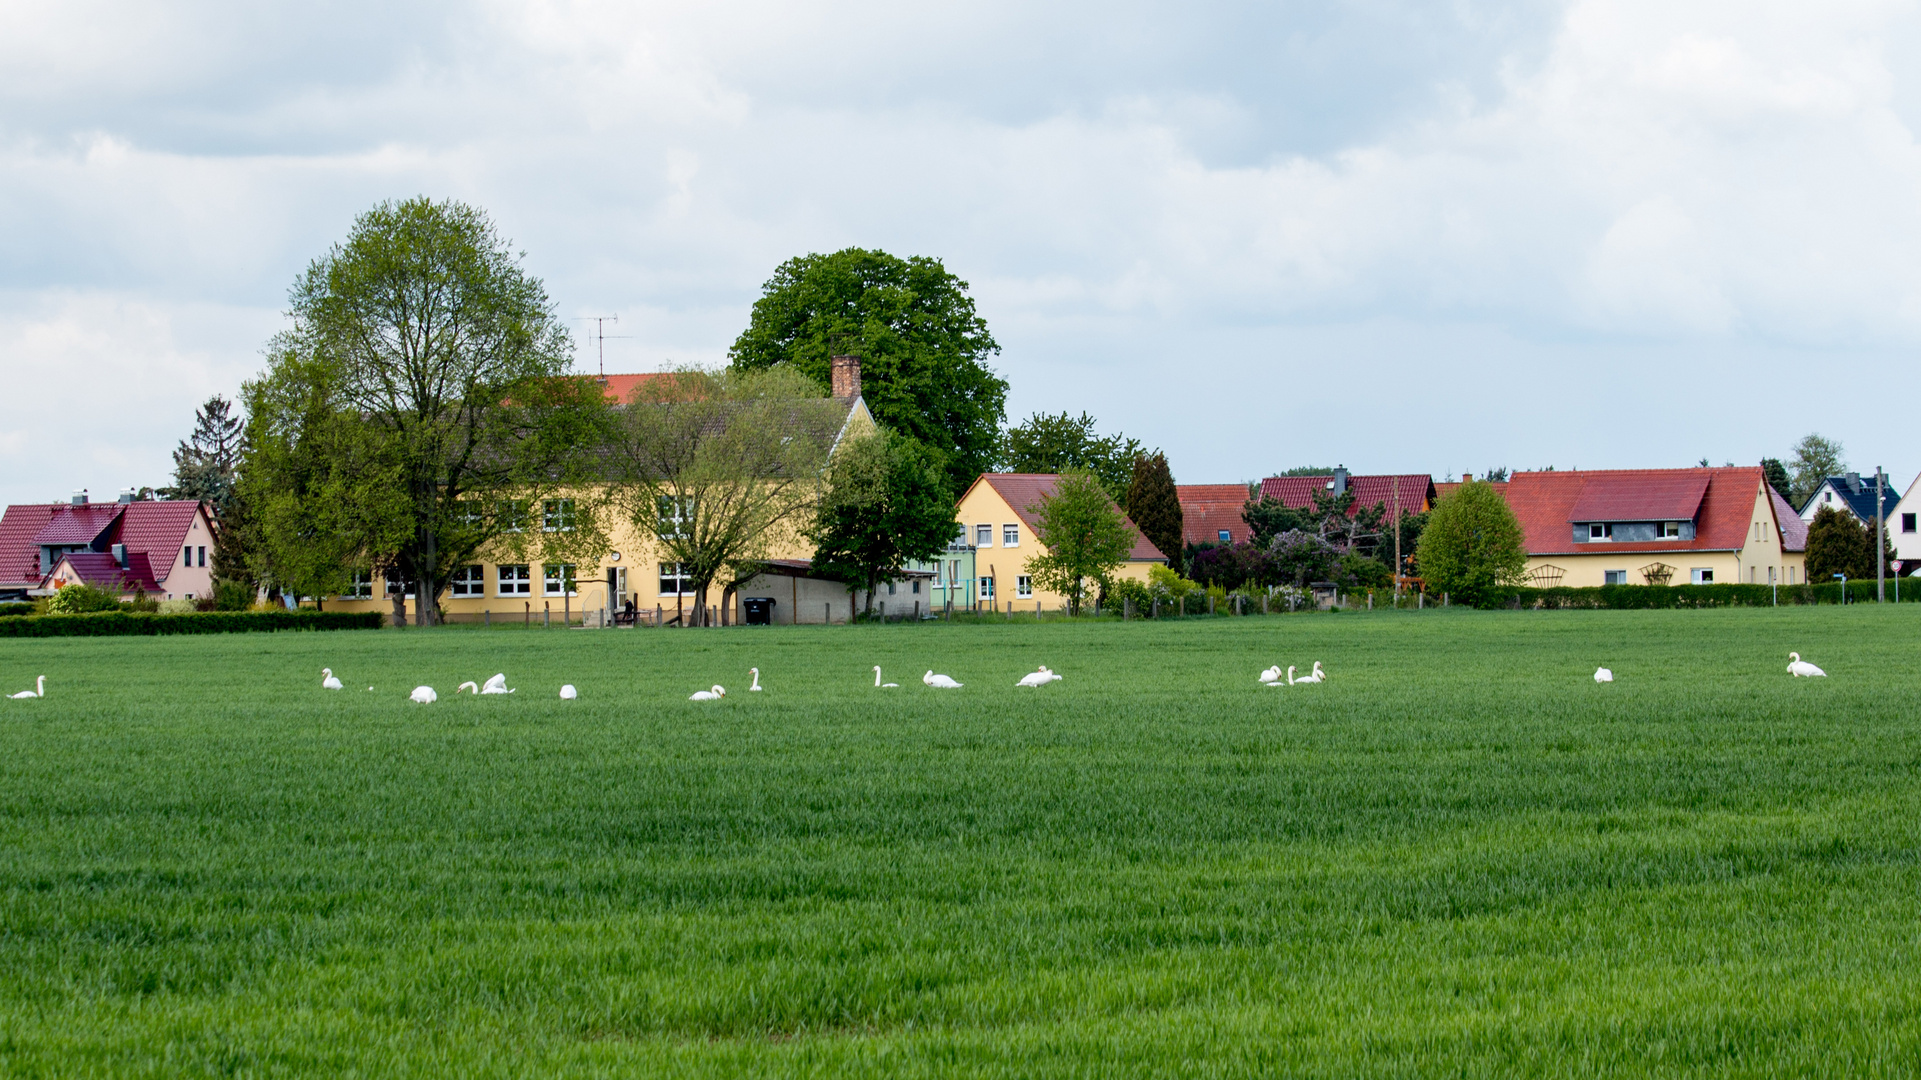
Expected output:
{"points": [[1471, 210]]}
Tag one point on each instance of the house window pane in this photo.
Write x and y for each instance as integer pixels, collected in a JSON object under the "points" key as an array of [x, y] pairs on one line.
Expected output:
{"points": [[1225, 537], [558, 580], [513, 515], [1614, 577], [674, 580], [1907, 524], [515, 580], [1023, 586], [983, 536], [1010, 536], [360, 585], [987, 588], [1670, 529], [469, 581], [1702, 575], [557, 515]]}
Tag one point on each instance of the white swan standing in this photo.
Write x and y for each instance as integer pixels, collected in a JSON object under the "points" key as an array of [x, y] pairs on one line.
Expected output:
{"points": [[1317, 675], [755, 672], [715, 694], [1801, 668], [939, 682], [1040, 678], [568, 693], [1271, 675], [39, 689], [1602, 674], [883, 685], [424, 695], [496, 685], [470, 686], [327, 680]]}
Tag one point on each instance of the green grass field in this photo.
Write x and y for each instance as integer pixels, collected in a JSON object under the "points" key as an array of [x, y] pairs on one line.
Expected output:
{"points": [[1460, 856]]}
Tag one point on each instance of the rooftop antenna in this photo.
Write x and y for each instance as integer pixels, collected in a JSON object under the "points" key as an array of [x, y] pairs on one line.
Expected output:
{"points": [[601, 335]]}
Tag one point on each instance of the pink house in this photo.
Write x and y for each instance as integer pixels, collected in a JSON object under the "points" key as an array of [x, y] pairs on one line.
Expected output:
{"points": [[161, 548]]}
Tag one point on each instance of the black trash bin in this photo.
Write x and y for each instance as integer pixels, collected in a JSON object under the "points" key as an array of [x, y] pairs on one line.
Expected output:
{"points": [[759, 610]]}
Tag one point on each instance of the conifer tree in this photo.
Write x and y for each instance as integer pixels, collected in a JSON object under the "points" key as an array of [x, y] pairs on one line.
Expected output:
{"points": [[1155, 505]]}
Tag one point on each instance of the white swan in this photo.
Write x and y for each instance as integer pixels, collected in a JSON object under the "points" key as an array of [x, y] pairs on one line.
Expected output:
{"points": [[939, 682], [1272, 675], [470, 686], [39, 690], [708, 695], [883, 685], [568, 693], [1801, 667], [327, 680], [1040, 678], [1602, 674], [1317, 675], [425, 695], [496, 685], [755, 672]]}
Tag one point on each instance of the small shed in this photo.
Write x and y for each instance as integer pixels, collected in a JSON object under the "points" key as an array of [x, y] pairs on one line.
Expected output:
{"points": [[799, 595]]}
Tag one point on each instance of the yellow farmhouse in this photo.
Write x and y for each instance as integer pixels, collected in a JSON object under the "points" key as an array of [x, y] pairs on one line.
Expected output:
{"points": [[997, 519], [1657, 527], [631, 576]]}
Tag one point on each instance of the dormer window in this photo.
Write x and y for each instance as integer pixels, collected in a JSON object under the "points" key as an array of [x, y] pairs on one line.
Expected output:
{"points": [[1599, 531], [1670, 530]]}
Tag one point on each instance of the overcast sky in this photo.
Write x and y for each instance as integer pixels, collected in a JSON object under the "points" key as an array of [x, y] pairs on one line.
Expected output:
{"points": [[1411, 236]]}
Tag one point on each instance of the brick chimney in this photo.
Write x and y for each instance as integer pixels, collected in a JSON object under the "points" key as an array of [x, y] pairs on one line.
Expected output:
{"points": [[846, 377]]}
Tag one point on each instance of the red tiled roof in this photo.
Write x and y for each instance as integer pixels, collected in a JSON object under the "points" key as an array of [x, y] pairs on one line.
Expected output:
{"points": [[1415, 491], [19, 555], [78, 524], [620, 388], [1631, 497], [1024, 490], [1545, 503], [99, 570], [1207, 509], [157, 529]]}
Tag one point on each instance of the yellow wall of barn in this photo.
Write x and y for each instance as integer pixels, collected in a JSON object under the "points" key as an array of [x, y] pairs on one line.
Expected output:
{"points": [[1004, 566]]}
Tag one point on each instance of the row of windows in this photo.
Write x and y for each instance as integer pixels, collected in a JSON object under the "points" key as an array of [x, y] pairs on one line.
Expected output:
{"points": [[1665, 530], [186, 557], [556, 515], [1023, 587], [984, 536], [556, 579], [1700, 575]]}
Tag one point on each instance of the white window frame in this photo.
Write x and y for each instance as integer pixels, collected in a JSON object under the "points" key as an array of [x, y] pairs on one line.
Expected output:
{"points": [[515, 579], [986, 588], [513, 515], [393, 589], [676, 573], [1701, 575], [557, 515], [1226, 537], [555, 579], [1614, 577], [672, 513], [1598, 530], [468, 580], [1011, 536], [360, 585], [984, 536], [1023, 587], [1670, 530]]}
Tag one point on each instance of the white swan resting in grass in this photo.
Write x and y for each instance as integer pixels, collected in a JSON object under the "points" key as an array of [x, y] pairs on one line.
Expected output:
{"points": [[1040, 678], [755, 672], [568, 693], [495, 685], [327, 680], [1800, 668], [1602, 674], [470, 686], [1271, 675], [1317, 675], [424, 694], [39, 690], [883, 685], [939, 682], [715, 694]]}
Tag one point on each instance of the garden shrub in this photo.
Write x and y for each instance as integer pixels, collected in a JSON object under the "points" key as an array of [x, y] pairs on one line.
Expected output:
{"points": [[79, 598], [15, 609]]}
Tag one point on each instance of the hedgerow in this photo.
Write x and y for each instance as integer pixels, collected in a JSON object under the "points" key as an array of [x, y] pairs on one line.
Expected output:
{"points": [[115, 623]]}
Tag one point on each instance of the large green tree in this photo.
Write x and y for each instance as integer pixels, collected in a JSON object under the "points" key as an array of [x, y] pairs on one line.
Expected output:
{"points": [[442, 357], [1840, 544], [1055, 444], [718, 465], [1813, 460], [1472, 546], [206, 467], [887, 503], [1086, 536], [1154, 503], [923, 348], [1776, 474]]}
